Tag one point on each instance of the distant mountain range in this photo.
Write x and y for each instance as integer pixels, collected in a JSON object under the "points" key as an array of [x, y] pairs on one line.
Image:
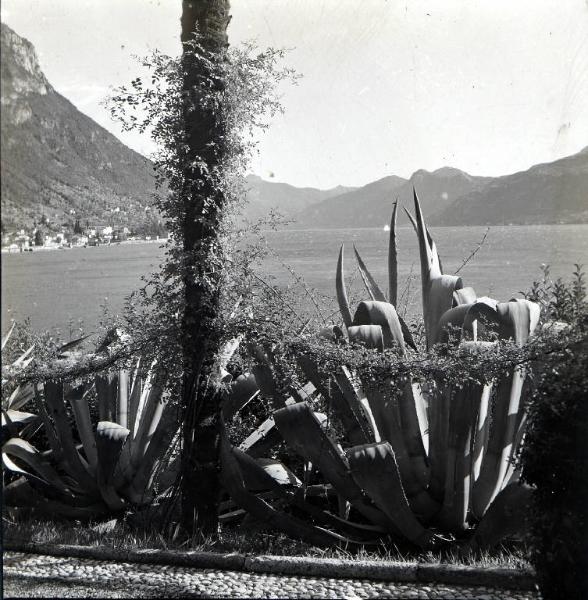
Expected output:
{"points": [[56, 160]]}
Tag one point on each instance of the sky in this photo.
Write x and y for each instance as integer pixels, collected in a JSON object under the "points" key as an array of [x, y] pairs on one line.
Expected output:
{"points": [[388, 87]]}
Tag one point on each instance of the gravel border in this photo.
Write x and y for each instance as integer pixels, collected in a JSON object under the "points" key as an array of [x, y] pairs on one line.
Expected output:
{"points": [[513, 579]]}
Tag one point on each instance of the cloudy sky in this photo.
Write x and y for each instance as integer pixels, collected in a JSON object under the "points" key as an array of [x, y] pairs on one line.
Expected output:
{"points": [[388, 87]]}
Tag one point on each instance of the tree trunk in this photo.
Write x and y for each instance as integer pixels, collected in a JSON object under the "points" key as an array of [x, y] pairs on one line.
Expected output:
{"points": [[203, 204]]}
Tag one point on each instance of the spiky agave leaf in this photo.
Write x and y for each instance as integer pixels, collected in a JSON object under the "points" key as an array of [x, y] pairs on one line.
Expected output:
{"points": [[384, 315], [296, 496], [393, 258], [357, 401], [78, 399], [369, 335], [375, 470], [110, 438], [413, 470], [517, 320], [341, 290], [303, 433], [342, 399], [508, 514], [463, 412], [28, 454], [437, 289], [21, 396], [368, 280], [70, 459], [232, 480], [8, 335], [241, 391]]}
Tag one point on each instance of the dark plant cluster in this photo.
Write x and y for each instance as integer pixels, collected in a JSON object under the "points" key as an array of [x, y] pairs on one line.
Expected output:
{"points": [[555, 462]]}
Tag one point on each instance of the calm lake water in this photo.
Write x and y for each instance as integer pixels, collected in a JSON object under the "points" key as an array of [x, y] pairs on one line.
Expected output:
{"points": [[54, 288]]}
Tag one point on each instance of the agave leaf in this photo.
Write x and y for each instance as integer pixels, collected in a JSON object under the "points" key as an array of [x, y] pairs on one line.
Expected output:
{"points": [[241, 391], [21, 494], [449, 323], [8, 335], [11, 417], [71, 460], [54, 443], [341, 291], [266, 379], [393, 258], [482, 431], [146, 390], [21, 362], [110, 438], [253, 469], [346, 407], [369, 335], [264, 473], [500, 442], [374, 468], [466, 295], [463, 412], [22, 450], [519, 318], [438, 403], [122, 398], [383, 314], [370, 283], [413, 469], [303, 433], [106, 392], [149, 420], [139, 490], [81, 410], [507, 515], [232, 480], [357, 402], [21, 396], [134, 395], [263, 438], [437, 289]]}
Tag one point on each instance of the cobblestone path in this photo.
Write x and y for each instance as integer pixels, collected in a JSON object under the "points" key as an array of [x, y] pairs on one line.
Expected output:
{"points": [[28, 575]]}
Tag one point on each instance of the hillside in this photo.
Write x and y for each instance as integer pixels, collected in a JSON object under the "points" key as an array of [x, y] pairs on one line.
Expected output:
{"points": [[370, 205], [54, 158], [283, 197], [554, 192]]}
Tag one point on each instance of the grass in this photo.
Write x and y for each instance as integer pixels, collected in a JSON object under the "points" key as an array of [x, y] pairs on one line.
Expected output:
{"points": [[120, 535]]}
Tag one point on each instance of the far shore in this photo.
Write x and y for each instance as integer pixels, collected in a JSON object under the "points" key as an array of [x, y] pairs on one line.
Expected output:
{"points": [[6, 250]]}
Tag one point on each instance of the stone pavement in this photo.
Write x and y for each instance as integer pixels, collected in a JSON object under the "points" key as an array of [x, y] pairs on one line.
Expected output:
{"points": [[29, 575]]}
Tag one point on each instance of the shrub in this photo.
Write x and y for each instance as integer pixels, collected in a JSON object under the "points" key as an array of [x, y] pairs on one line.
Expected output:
{"points": [[555, 461]]}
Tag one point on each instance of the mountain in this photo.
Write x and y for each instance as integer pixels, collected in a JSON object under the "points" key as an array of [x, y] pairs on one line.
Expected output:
{"points": [[555, 192], [370, 205], [55, 159], [283, 197]]}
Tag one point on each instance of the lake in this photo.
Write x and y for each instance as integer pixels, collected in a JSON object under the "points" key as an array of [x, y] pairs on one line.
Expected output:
{"points": [[54, 288]]}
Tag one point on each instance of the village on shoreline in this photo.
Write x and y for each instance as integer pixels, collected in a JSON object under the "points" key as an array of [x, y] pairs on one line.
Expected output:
{"points": [[36, 239]]}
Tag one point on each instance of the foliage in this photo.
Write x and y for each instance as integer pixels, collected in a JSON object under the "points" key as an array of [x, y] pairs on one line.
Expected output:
{"points": [[560, 300], [89, 469], [431, 436], [555, 461], [154, 106]]}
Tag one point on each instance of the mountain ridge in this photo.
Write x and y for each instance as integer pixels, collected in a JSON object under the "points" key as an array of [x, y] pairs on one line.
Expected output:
{"points": [[57, 162]]}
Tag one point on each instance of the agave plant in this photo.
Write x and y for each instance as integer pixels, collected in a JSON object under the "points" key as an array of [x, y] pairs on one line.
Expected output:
{"points": [[93, 469], [425, 463]]}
